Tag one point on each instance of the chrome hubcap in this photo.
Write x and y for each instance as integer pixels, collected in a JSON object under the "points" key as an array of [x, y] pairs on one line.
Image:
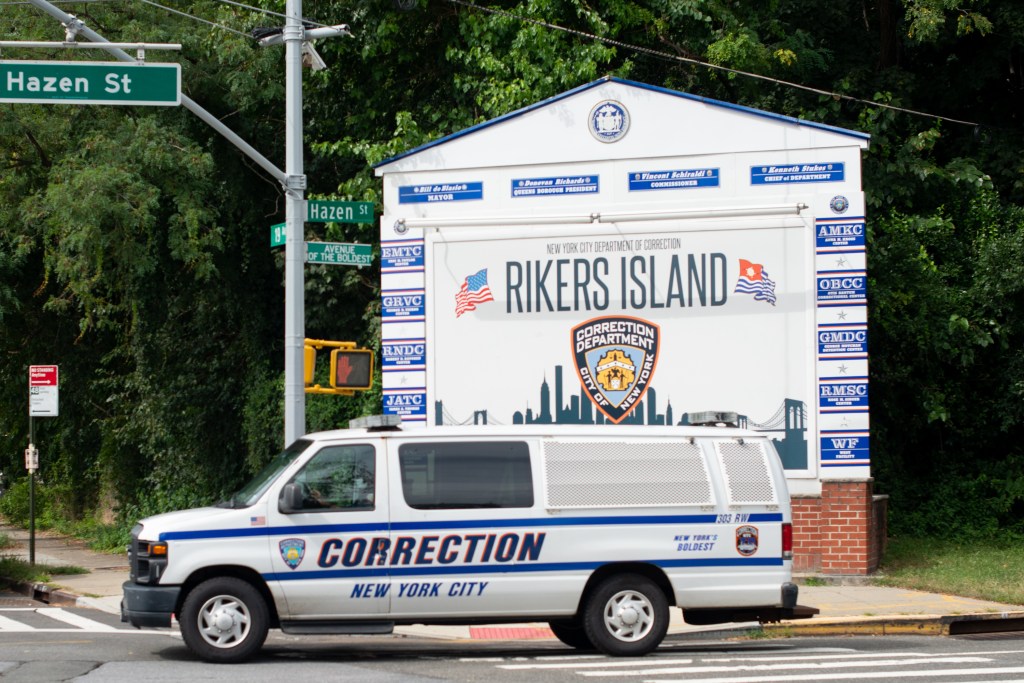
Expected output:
{"points": [[629, 616], [224, 621]]}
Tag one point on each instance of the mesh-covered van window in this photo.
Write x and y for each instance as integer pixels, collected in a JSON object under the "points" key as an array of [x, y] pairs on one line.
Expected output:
{"points": [[747, 477], [456, 475], [622, 474]]}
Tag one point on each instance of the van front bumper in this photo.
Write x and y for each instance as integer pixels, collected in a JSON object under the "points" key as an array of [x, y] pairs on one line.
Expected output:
{"points": [[148, 606]]}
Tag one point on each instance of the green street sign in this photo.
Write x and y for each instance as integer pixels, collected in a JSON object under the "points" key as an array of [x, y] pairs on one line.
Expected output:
{"points": [[339, 253], [278, 234], [330, 211], [90, 83]]}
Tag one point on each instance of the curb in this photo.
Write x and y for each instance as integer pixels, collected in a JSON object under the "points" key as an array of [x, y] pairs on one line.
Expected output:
{"points": [[930, 625], [53, 596], [43, 593]]}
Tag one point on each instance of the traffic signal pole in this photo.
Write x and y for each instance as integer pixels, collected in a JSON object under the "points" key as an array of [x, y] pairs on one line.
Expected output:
{"points": [[295, 242]]}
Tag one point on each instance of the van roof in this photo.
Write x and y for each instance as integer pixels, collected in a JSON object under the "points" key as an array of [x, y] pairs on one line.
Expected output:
{"points": [[535, 430]]}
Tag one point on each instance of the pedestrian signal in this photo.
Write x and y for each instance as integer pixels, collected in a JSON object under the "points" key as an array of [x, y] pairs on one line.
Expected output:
{"points": [[352, 369]]}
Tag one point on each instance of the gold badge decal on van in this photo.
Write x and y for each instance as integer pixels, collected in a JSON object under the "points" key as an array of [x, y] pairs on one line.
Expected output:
{"points": [[292, 551], [615, 358], [746, 540]]}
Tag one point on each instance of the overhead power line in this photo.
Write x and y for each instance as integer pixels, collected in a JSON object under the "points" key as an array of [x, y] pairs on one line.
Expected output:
{"points": [[690, 60], [307, 22], [195, 18]]}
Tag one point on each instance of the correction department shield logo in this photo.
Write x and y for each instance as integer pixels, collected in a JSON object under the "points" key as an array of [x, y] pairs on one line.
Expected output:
{"points": [[615, 357], [746, 540], [292, 551]]}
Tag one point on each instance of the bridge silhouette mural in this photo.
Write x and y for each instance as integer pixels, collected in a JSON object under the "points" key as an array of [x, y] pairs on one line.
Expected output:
{"points": [[789, 421]]}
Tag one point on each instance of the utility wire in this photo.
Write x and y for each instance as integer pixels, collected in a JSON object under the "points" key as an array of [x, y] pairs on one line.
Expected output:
{"points": [[195, 18], [689, 60], [222, 26], [11, 3], [270, 12]]}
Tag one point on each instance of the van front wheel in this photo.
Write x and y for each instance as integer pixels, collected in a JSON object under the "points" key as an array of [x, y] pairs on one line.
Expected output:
{"points": [[626, 616], [224, 620]]}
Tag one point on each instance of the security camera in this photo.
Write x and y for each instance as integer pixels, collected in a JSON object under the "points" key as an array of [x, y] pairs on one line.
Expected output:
{"points": [[311, 58]]}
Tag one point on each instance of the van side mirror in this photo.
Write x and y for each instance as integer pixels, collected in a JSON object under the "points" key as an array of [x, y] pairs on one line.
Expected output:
{"points": [[291, 499]]}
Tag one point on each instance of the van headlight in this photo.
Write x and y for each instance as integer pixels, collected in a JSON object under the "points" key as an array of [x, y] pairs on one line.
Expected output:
{"points": [[147, 560]]}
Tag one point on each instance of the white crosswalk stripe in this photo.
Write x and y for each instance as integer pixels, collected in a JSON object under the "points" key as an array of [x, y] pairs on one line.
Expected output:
{"points": [[75, 620], [759, 666], [24, 619], [13, 625]]}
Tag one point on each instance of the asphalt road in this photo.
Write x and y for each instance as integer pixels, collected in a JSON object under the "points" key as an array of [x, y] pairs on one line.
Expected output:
{"points": [[43, 643]]}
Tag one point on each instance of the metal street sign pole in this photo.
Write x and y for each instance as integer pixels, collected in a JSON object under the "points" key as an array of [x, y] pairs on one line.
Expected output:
{"points": [[295, 246], [43, 384], [31, 498]]}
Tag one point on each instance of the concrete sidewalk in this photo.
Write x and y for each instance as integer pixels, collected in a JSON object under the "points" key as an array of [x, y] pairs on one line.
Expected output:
{"points": [[851, 606]]}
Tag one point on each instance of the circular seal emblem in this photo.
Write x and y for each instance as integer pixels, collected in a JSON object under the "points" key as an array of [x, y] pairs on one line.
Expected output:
{"points": [[608, 121], [839, 204]]}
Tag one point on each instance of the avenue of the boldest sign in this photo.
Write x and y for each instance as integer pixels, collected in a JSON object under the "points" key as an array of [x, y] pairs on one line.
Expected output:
{"points": [[90, 83]]}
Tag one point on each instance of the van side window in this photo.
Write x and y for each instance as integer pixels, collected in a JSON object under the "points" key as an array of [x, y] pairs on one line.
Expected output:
{"points": [[338, 478], [466, 475]]}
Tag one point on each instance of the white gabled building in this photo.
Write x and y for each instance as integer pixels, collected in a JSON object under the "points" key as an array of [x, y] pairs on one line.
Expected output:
{"points": [[626, 254]]}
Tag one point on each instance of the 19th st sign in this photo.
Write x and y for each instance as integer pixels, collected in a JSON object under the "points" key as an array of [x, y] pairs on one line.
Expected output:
{"points": [[90, 83]]}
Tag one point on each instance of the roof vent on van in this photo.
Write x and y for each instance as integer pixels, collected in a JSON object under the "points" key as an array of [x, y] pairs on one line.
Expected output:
{"points": [[711, 418], [377, 423]]}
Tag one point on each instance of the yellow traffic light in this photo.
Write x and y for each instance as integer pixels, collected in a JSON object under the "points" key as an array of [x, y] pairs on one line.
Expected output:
{"points": [[352, 369], [309, 364]]}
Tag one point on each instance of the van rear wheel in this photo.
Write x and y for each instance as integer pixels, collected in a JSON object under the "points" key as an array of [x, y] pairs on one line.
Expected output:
{"points": [[626, 616], [572, 633], [224, 620]]}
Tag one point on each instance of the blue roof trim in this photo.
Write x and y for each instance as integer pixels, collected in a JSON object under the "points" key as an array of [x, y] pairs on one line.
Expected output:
{"points": [[746, 110], [500, 119], [635, 84]]}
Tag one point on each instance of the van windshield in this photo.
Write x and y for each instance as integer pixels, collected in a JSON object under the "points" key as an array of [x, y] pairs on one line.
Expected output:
{"points": [[251, 492]]}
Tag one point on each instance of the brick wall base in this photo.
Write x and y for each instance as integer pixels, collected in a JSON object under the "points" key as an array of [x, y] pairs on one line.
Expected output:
{"points": [[842, 531]]}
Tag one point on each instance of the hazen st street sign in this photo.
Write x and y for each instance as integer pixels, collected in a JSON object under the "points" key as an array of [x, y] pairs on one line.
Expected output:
{"points": [[335, 211], [90, 83]]}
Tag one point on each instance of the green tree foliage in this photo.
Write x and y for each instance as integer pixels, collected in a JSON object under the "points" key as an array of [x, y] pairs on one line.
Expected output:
{"points": [[133, 241]]}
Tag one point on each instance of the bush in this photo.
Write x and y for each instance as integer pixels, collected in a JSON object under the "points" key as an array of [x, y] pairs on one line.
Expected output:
{"points": [[14, 504]]}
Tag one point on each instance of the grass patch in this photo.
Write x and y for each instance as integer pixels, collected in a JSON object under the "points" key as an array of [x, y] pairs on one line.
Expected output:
{"points": [[103, 538], [14, 571], [5, 541], [985, 570]]}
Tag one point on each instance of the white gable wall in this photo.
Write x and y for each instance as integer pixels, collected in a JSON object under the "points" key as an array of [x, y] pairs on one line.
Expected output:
{"points": [[502, 357]]}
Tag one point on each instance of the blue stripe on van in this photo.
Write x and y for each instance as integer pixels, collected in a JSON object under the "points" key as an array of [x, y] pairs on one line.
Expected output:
{"points": [[482, 569], [459, 524]]}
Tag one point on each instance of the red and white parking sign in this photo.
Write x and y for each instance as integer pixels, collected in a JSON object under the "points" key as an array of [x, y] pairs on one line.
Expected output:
{"points": [[42, 390]]}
